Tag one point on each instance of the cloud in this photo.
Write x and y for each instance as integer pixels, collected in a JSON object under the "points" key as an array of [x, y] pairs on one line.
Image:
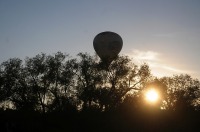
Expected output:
{"points": [[141, 56], [173, 69], [156, 62]]}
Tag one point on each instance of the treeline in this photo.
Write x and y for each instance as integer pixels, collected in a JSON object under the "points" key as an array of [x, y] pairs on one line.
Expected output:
{"points": [[58, 82], [60, 93]]}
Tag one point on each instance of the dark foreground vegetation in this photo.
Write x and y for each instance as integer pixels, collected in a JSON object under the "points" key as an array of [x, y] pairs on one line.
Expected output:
{"points": [[93, 121], [56, 93]]}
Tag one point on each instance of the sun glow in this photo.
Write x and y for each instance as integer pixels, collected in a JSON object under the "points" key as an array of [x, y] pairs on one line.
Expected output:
{"points": [[152, 95]]}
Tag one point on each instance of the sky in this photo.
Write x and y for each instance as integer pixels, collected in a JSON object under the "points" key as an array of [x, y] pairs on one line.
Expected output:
{"points": [[162, 33]]}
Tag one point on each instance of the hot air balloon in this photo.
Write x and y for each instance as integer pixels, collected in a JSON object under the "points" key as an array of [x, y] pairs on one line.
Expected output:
{"points": [[107, 46]]}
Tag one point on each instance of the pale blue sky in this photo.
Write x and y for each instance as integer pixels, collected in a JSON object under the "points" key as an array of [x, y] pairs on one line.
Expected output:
{"points": [[163, 33]]}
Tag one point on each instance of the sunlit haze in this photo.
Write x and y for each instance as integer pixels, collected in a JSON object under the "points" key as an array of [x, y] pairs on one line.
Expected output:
{"points": [[163, 33], [151, 95]]}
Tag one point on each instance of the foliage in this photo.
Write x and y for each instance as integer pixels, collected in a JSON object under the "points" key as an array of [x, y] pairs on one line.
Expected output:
{"points": [[182, 92], [58, 93], [49, 83]]}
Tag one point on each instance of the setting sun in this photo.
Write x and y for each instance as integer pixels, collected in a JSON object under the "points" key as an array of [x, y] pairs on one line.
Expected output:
{"points": [[152, 95]]}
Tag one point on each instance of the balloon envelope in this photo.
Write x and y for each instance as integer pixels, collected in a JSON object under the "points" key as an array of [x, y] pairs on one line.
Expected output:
{"points": [[107, 45]]}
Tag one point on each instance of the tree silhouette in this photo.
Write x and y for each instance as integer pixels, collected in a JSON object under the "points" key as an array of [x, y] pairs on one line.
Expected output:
{"points": [[51, 82], [36, 68], [88, 78], [57, 88], [182, 92], [106, 88], [83, 91], [52, 77], [15, 85]]}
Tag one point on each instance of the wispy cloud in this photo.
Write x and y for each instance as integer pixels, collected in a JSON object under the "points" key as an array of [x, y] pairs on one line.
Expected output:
{"points": [[145, 56], [173, 69], [154, 59]]}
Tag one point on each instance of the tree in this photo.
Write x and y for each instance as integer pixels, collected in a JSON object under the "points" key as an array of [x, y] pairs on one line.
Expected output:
{"points": [[60, 75], [36, 69], [2, 92], [88, 78], [15, 85], [52, 76], [108, 86], [59, 83], [182, 93], [43, 83], [161, 90]]}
